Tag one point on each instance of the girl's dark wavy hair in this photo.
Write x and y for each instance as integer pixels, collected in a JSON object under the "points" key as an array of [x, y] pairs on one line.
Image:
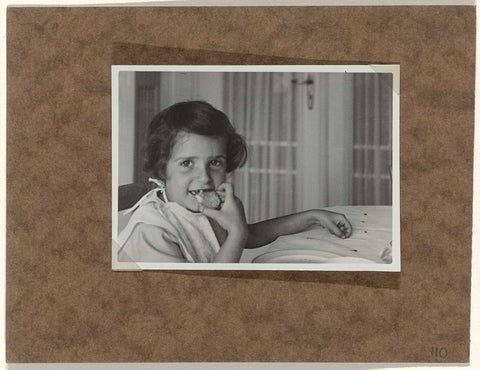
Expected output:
{"points": [[197, 117]]}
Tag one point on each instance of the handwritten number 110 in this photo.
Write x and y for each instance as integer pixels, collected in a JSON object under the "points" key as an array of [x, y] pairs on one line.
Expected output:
{"points": [[439, 352]]}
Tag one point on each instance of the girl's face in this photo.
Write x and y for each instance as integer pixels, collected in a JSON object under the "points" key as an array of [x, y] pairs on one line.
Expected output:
{"points": [[196, 162]]}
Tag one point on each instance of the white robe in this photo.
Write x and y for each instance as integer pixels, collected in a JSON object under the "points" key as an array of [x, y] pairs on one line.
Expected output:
{"points": [[161, 231]]}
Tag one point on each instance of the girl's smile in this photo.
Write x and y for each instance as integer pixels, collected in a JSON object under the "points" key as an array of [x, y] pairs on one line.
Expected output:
{"points": [[197, 163]]}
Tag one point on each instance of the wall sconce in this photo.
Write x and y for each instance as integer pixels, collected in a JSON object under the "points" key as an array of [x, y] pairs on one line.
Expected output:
{"points": [[310, 89]]}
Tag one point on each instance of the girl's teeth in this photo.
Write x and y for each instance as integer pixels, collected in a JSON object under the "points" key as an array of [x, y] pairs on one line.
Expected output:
{"points": [[195, 192]]}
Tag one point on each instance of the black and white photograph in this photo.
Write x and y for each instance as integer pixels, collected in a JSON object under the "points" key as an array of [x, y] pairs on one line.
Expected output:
{"points": [[256, 167]]}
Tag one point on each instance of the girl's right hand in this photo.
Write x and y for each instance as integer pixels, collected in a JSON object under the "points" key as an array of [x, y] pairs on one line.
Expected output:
{"points": [[232, 215]]}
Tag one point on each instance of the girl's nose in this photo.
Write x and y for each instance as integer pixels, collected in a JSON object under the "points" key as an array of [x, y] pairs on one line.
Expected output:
{"points": [[203, 175]]}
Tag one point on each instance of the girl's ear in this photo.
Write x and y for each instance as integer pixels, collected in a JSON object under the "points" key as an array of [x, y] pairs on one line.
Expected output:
{"points": [[230, 176]]}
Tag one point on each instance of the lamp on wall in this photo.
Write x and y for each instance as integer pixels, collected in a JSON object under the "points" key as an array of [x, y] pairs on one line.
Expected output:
{"points": [[310, 89]]}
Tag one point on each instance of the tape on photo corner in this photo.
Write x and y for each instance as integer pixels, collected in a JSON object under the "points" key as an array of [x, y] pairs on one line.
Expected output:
{"points": [[122, 265], [394, 69]]}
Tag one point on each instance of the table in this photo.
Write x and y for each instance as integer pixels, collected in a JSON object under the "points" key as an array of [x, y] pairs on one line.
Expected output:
{"points": [[372, 234]]}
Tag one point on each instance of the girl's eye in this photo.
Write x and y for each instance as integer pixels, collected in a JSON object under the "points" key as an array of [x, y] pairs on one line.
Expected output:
{"points": [[216, 163], [186, 163]]}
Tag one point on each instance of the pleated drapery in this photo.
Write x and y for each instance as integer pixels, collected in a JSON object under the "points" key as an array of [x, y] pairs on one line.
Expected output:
{"points": [[333, 150], [261, 107], [372, 121]]}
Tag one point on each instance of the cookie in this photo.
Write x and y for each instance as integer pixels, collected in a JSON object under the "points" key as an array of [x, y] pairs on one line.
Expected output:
{"points": [[209, 199]]}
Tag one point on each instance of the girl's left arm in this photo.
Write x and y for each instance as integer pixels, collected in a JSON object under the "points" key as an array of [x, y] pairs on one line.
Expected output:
{"points": [[264, 232]]}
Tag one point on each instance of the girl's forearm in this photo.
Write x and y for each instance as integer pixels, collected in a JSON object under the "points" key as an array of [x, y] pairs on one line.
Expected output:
{"points": [[264, 232], [232, 248]]}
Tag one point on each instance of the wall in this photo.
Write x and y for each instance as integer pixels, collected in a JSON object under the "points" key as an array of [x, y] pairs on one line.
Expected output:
{"points": [[126, 122]]}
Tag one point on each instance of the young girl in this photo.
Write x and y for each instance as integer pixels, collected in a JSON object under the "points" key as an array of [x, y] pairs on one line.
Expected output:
{"points": [[193, 215]]}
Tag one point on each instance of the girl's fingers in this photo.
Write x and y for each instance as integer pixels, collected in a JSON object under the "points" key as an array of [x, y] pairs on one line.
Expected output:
{"points": [[221, 194], [334, 229], [340, 226], [225, 191], [336, 223], [226, 187], [345, 226]]}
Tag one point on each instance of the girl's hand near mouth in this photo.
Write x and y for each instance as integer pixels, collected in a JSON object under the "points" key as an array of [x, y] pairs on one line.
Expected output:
{"points": [[232, 218]]}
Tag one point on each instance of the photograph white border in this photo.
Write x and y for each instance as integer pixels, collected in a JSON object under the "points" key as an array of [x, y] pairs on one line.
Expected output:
{"points": [[395, 266]]}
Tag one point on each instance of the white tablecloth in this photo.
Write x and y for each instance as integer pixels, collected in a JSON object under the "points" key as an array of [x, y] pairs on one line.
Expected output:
{"points": [[372, 234]]}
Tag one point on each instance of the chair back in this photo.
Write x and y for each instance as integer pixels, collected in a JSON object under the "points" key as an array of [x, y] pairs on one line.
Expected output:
{"points": [[130, 194]]}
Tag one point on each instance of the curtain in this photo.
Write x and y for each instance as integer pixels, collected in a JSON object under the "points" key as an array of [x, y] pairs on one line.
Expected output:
{"points": [[261, 106], [314, 140], [326, 144], [372, 120]]}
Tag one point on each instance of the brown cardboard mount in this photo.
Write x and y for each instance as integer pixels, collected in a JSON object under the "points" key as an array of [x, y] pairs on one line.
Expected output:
{"points": [[65, 304]]}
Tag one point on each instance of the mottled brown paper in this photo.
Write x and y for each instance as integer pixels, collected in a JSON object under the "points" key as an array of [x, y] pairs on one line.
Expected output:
{"points": [[64, 303]]}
